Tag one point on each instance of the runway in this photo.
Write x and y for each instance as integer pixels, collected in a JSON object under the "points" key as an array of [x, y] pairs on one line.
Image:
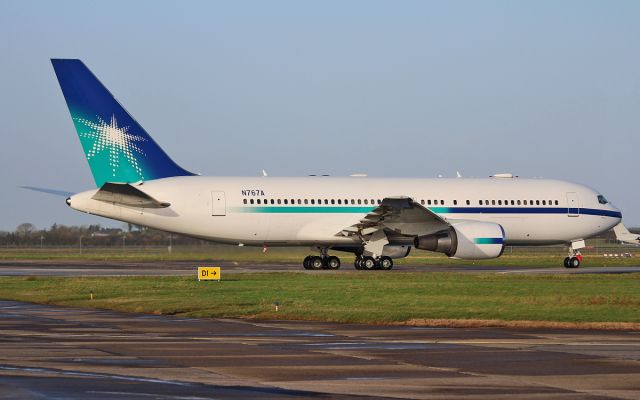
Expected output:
{"points": [[184, 268], [53, 352]]}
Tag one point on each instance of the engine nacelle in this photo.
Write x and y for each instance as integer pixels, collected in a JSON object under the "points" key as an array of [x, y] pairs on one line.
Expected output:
{"points": [[396, 251], [471, 240]]}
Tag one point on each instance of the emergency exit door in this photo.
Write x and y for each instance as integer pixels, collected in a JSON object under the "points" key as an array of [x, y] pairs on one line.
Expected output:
{"points": [[218, 204], [573, 204]]}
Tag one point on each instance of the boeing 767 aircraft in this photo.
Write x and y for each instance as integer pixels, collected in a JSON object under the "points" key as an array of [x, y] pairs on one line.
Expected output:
{"points": [[377, 219]]}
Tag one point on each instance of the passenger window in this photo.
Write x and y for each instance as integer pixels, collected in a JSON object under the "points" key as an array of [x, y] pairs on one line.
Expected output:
{"points": [[518, 202], [258, 201], [422, 202], [353, 201], [244, 201], [556, 202], [306, 201], [273, 201], [366, 201], [537, 202], [513, 202], [372, 202], [333, 201], [493, 202], [359, 201], [285, 201], [441, 202], [379, 201], [480, 202], [468, 202], [455, 202], [251, 201], [313, 201], [499, 202], [339, 201], [429, 202], [525, 202]]}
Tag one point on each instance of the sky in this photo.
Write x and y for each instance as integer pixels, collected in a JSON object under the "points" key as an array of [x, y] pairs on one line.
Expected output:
{"points": [[418, 89]]}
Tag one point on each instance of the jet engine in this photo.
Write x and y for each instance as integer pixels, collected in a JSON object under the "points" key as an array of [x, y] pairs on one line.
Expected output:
{"points": [[472, 240]]}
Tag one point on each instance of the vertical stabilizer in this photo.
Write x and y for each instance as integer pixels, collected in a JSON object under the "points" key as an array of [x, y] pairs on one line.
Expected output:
{"points": [[117, 148]]}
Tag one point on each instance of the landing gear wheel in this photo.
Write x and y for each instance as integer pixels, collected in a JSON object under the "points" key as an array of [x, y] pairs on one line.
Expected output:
{"points": [[368, 263], [386, 263], [305, 262], [574, 262], [358, 263], [315, 262], [333, 262], [566, 262]]}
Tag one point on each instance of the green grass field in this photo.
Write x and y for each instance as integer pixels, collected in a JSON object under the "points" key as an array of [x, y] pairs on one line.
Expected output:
{"points": [[531, 257], [365, 297]]}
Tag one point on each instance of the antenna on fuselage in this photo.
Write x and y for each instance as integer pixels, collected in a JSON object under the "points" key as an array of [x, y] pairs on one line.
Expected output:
{"points": [[264, 173]]}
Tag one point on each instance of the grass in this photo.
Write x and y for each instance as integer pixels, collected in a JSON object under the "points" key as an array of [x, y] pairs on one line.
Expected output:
{"points": [[526, 257], [363, 297]]}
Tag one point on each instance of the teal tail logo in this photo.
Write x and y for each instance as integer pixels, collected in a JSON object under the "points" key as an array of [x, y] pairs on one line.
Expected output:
{"points": [[117, 148]]}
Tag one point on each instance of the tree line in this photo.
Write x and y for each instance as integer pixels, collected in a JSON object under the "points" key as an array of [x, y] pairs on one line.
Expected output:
{"points": [[27, 235]]}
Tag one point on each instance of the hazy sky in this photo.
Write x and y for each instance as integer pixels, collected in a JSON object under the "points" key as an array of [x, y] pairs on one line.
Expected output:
{"points": [[395, 88]]}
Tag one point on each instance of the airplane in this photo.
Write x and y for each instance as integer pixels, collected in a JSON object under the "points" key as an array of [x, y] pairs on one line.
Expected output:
{"points": [[377, 219], [624, 236]]}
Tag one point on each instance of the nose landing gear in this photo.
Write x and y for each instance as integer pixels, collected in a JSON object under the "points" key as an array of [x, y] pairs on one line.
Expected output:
{"points": [[575, 257]]}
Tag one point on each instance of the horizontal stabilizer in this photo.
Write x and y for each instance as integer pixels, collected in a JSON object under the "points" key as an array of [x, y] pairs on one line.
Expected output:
{"points": [[54, 192], [127, 195]]}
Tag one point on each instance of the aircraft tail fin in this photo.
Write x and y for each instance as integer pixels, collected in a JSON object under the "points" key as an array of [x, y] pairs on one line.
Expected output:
{"points": [[117, 148]]}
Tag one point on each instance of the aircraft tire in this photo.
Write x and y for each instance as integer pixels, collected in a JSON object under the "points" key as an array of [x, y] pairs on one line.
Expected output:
{"points": [[333, 262], [574, 262], [315, 263], [305, 262], [386, 263], [368, 263], [357, 263]]}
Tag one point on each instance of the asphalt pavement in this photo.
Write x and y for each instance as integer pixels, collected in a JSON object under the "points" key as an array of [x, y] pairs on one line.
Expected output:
{"points": [[55, 352]]}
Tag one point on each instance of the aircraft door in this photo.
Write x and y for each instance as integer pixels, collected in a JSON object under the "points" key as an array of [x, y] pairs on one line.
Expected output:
{"points": [[218, 204], [573, 206]]}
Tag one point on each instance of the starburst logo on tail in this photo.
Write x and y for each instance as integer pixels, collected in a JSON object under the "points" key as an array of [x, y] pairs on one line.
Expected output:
{"points": [[115, 140]]}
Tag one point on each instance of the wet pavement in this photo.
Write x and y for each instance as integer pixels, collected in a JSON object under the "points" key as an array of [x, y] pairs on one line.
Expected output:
{"points": [[55, 352]]}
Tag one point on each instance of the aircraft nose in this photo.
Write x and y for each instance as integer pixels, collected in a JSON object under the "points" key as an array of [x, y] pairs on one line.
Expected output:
{"points": [[68, 201]]}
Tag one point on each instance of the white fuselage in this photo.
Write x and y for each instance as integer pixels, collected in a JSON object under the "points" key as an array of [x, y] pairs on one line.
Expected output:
{"points": [[259, 211]]}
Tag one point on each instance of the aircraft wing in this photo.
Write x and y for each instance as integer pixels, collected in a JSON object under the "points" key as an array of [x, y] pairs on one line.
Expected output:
{"points": [[400, 215], [623, 234]]}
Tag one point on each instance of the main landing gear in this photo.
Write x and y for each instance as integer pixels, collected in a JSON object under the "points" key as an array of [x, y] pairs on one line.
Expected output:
{"points": [[369, 263], [319, 262]]}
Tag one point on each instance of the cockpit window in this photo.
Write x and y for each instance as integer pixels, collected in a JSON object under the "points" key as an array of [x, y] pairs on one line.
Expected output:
{"points": [[601, 199]]}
